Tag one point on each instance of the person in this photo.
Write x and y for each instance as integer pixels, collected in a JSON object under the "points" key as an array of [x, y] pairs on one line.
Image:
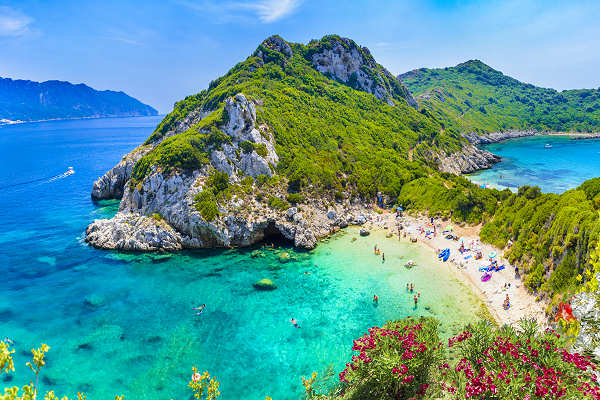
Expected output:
{"points": [[407, 287], [419, 294], [416, 300], [199, 309], [506, 304], [411, 287], [375, 299], [8, 341], [383, 256], [294, 322], [375, 249]]}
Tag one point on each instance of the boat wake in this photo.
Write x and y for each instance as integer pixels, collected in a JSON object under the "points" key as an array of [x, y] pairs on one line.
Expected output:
{"points": [[41, 181]]}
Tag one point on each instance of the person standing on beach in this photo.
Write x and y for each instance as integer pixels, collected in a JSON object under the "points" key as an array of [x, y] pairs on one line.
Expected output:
{"points": [[416, 301]]}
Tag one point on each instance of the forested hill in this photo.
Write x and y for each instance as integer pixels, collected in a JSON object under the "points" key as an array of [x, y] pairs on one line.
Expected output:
{"points": [[32, 101], [481, 99]]}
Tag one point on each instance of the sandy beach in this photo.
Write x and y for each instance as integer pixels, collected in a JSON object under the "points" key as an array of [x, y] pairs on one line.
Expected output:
{"points": [[493, 292]]}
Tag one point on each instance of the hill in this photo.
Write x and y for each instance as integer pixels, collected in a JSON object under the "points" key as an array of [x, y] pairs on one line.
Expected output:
{"points": [[481, 99], [33, 101], [297, 141]]}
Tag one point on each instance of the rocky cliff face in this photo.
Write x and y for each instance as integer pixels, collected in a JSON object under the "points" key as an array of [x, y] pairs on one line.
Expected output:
{"points": [[159, 212], [586, 308], [343, 60], [468, 160]]}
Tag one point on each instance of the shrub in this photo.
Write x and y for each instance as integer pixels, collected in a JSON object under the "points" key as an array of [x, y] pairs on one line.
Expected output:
{"points": [[277, 203], [247, 146], [205, 202], [395, 361], [295, 198]]}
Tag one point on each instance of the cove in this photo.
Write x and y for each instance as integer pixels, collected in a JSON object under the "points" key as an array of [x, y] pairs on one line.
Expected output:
{"points": [[122, 323], [526, 161]]}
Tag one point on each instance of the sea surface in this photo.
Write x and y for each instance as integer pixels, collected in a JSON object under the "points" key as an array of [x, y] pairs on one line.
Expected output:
{"points": [[122, 323], [526, 161]]}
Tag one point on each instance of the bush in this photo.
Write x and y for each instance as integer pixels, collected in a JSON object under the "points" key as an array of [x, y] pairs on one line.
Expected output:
{"points": [[395, 361], [277, 203], [295, 198], [205, 202], [247, 146]]}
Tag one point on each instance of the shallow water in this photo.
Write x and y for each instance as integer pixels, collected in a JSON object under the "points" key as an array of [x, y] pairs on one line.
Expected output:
{"points": [[525, 161], [122, 323]]}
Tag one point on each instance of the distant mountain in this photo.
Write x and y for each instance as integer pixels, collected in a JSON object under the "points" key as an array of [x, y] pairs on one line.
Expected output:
{"points": [[481, 99], [32, 101]]}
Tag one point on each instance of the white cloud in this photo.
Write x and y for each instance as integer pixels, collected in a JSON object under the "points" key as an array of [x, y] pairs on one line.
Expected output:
{"points": [[266, 10], [13, 22], [272, 10]]}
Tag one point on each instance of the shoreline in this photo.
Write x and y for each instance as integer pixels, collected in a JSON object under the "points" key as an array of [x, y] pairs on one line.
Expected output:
{"points": [[491, 293], [20, 122]]}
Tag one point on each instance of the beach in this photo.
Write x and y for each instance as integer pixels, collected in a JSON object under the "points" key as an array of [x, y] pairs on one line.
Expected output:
{"points": [[492, 292]]}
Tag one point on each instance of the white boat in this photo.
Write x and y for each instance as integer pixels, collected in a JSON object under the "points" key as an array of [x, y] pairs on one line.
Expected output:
{"points": [[548, 146], [70, 171]]}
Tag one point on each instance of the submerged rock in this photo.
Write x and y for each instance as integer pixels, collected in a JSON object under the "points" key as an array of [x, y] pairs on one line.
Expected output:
{"points": [[264, 284], [94, 301], [284, 257]]}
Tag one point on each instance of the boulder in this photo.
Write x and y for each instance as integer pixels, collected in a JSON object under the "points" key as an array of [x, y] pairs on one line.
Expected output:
{"points": [[364, 232], [284, 257], [331, 214], [264, 284], [94, 301]]}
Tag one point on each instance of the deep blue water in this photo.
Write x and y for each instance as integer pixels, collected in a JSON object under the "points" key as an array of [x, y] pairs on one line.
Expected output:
{"points": [[123, 323], [525, 161]]}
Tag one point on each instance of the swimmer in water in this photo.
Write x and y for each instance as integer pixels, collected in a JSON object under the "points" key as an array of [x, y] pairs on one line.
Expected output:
{"points": [[199, 309], [411, 287], [416, 300], [8, 341], [294, 322], [375, 299], [407, 288]]}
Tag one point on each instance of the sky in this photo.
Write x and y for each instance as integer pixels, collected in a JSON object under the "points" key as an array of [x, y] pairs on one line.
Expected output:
{"points": [[162, 51]]}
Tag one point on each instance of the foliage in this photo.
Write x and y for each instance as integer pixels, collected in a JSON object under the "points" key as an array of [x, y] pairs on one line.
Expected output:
{"points": [[327, 134], [277, 203], [552, 235], [206, 201], [29, 392], [395, 361], [295, 198], [405, 359], [476, 98], [505, 363], [203, 386]]}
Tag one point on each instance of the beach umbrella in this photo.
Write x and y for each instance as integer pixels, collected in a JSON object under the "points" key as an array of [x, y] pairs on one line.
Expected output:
{"points": [[493, 254]]}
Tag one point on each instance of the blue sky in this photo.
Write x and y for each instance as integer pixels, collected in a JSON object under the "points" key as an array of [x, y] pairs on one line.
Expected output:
{"points": [[161, 51]]}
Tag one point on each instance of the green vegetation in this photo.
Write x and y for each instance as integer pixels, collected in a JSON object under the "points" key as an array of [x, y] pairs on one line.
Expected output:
{"points": [[477, 98], [406, 360], [327, 134], [335, 139], [215, 188], [553, 235]]}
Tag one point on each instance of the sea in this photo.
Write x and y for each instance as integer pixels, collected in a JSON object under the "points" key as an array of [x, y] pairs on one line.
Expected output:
{"points": [[124, 323], [554, 163]]}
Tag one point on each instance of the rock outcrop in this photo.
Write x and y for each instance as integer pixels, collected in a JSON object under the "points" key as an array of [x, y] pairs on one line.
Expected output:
{"points": [[112, 184], [586, 308], [496, 137], [342, 59], [469, 159], [159, 212]]}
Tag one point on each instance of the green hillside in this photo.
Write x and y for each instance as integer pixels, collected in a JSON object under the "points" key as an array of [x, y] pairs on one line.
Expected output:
{"points": [[480, 99], [328, 134], [334, 138]]}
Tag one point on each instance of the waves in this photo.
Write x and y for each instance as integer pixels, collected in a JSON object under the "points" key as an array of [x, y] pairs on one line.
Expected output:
{"points": [[36, 182]]}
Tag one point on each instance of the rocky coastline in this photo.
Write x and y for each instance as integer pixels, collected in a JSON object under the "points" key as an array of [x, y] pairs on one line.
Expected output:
{"points": [[160, 214]]}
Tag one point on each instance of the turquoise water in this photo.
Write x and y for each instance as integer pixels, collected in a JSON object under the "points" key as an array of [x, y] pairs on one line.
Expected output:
{"points": [[121, 323], [525, 161]]}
